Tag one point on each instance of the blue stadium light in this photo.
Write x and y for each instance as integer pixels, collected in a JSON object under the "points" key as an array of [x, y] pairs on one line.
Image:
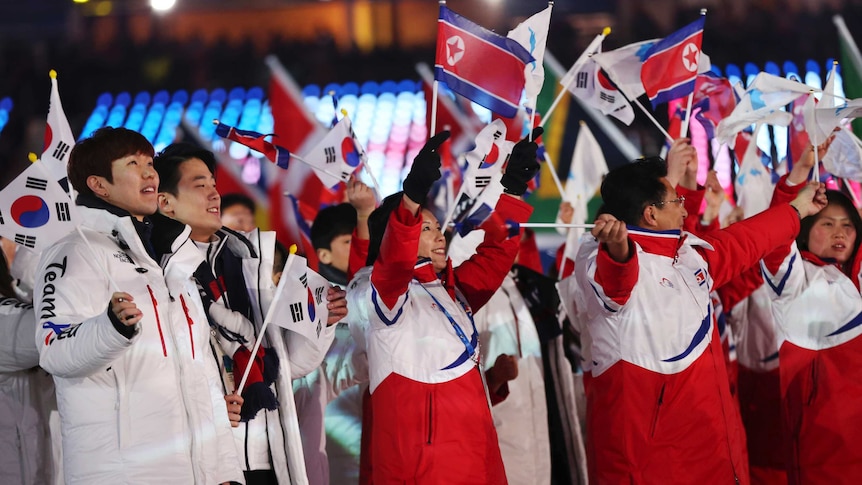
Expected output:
{"points": [[812, 75], [117, 114], [790, 69]]}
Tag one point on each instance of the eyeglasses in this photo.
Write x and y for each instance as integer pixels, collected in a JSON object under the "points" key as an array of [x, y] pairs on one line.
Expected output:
{"points": [[679, 200]]}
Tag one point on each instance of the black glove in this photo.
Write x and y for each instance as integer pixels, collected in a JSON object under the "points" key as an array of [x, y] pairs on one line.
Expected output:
{"points": [[425, 170], [523, 165]]}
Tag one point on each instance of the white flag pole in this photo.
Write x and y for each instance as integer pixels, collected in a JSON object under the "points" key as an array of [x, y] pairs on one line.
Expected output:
{"points": [[278, 292], [555, 176], [432, 130], [548, 225], [685, 122]]}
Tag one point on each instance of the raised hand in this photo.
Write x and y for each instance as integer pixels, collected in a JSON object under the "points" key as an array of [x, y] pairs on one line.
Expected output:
{"points": [[522, 166], [612, 232], [680, 158], [811, 200], [425, 170]]}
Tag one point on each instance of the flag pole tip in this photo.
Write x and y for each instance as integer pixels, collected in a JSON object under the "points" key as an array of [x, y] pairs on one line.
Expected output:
{"points": [[215, 121], [292, 249], [343, 111], [582, 123], [606, 31], [834, 62], [52, 74], [32, 156], [703, 11]]}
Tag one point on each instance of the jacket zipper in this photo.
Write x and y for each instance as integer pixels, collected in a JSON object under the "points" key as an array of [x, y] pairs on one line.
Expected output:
{"points": [[430, 416], [657, 411], [158, 320], [190, 323]]}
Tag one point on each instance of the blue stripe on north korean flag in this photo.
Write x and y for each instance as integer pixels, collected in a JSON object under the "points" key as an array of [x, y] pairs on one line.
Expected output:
{"points": [[480, 65], [670, 66]]}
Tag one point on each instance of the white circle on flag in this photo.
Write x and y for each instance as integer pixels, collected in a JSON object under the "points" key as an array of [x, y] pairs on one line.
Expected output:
{"points": [[690, 55], [454, 49]]}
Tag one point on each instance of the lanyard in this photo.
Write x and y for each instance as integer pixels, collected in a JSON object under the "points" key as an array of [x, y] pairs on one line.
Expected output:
{"points": [[471, 351]]}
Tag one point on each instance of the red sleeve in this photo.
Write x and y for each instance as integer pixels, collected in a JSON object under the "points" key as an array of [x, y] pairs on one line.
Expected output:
{"points": [[783, 194], [393, 268], [693, 201], [617, 279], [358, 255], [740, 287], [481, 275], [741, 245], [501, 394]]}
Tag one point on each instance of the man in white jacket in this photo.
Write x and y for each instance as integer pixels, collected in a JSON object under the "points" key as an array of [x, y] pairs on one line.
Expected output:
{"points": [[242, 266], [124, 336]]}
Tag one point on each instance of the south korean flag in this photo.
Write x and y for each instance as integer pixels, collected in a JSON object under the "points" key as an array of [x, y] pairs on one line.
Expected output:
{"points": [[35, 212]]}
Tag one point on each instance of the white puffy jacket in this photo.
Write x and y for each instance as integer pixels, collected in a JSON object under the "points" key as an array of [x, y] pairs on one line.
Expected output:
{"points": [[298, 356], [26, 397], [145, 409]]}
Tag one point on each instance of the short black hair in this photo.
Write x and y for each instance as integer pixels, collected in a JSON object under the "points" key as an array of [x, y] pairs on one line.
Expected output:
{"points": [[331, 222], [627, 190], [833, 197], [234, 198], [168, 161], [377, 222], [95, 154]]}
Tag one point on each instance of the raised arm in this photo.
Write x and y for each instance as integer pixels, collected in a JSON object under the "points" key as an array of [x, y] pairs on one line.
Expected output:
{"points": [[393, 268]]}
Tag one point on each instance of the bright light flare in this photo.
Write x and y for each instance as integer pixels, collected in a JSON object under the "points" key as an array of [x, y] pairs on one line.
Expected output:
{"points": [[162, 5]]}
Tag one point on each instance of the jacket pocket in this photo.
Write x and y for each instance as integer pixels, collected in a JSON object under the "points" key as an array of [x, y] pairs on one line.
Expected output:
{"points": [[429, 422], [657, 412]]}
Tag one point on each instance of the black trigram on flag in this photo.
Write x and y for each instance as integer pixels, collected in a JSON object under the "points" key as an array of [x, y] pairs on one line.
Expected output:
{"points": [[581, 80], [318, 295], [37, 184], [498, 134], [1, 219], [296, 312], [345, 176], [61, 151], [29, 241], [63, 211], [304, 280], [482, 181], [330, 154], [607, 97]]}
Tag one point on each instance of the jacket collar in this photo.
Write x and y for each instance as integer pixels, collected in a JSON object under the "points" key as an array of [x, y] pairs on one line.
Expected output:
{"points": [[662, 243], [118, 223], [424, 272]]}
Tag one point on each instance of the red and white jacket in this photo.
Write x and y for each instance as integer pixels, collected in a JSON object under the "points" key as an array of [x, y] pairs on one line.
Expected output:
{"points": [[431, 418], [818, 309], [659, 408]]}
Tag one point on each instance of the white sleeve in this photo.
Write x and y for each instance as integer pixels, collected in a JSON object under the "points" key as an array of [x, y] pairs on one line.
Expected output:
{"points": [[74, 334], [17, 325]]}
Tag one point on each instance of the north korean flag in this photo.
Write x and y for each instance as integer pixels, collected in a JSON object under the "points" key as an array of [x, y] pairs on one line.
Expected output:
{"points": [[480, 65], [671, 65]]}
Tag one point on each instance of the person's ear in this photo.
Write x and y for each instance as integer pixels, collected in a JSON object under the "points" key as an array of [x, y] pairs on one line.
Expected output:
{"points": [[648, 217], [324, 256], [166, 204], [98, 185]]}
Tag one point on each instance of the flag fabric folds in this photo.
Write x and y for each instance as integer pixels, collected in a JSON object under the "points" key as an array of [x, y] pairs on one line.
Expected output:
{"points": [[59, 139], [671, 64], [586, 173], [301, 299], [844, 158], [479, 64], [532, 35], [337, 155], [586, 80], [35, 212], [256, 141], [753, 183], [623, 66]]}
